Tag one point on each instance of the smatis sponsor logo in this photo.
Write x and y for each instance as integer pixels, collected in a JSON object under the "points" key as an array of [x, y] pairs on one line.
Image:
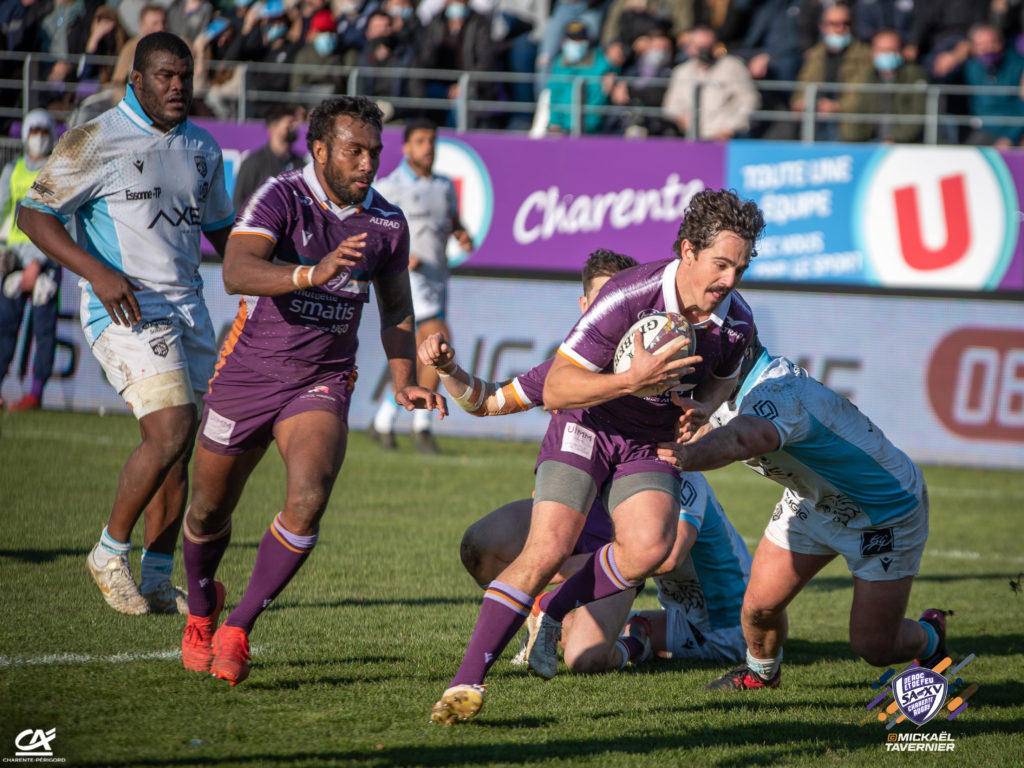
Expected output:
{"points": [[34, 745]]}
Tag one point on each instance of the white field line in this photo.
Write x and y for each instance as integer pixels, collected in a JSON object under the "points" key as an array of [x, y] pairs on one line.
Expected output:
{"points": [[69, 659]]}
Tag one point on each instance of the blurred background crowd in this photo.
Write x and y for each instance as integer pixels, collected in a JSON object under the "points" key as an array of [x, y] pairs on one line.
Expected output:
{"points": [[635, 54]]}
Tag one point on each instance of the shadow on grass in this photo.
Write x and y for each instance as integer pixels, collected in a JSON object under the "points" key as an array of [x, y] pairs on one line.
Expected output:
{"points": [[42, 555], [782, 742]]}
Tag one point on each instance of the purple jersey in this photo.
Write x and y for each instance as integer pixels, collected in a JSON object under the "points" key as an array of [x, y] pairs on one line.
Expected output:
{"points": [[529, 386], [294, 336], [626, 298]]}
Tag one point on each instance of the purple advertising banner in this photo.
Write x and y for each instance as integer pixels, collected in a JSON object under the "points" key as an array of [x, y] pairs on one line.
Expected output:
{"points": [[545, 205], [903, 216]]}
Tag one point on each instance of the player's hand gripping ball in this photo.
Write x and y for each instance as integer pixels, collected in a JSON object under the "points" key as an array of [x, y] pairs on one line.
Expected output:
{"points": [[658, 329]]}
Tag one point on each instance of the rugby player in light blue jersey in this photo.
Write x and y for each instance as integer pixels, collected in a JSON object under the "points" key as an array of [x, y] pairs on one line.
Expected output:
{"points": [[143, 184], [849, 491]]}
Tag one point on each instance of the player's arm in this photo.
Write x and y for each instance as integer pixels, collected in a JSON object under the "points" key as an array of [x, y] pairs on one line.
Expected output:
{"points": [[569, 385], [475, 397], [219, 239], [113, 289], [742, 438], [397, 337], [461, 235], [704, 400], [248, 269]]}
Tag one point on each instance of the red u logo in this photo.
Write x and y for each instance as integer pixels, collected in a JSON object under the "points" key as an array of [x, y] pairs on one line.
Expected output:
{"points": [[958, 231]]}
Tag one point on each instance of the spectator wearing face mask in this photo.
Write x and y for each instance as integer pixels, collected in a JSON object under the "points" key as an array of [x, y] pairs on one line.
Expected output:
{"points": [[273, 158], [322, 49], [27, 276], [992, 62], [457, 39], [383, 49], [836, 58], [889, 69], [278, 43], [726, 96], [651, 54], [579, 56]]}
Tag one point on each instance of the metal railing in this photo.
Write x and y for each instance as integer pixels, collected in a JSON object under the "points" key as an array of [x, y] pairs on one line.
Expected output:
{"points": [[476, 101]]}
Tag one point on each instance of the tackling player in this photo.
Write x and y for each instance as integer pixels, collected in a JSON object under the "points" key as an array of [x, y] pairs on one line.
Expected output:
{"points": [[849, 491], [143, 184], [304, 253], [599, 435]]}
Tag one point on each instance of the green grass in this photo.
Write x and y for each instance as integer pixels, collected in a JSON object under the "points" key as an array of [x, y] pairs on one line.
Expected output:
{"points": [[350, 658]]}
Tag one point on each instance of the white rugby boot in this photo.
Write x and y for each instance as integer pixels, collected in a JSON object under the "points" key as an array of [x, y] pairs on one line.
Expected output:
{"points": [[117, 584]]}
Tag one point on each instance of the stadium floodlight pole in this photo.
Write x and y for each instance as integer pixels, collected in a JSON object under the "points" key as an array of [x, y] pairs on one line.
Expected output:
{"points": [[810, 110]]}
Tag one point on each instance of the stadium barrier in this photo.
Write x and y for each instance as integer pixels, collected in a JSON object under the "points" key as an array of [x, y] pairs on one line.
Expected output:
{"points": [[469, 109]]}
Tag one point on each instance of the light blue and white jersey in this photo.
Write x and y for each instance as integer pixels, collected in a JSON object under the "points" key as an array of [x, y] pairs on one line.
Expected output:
{"points": [[709, 587], [430, 206], [829, 452], [140, 199]]}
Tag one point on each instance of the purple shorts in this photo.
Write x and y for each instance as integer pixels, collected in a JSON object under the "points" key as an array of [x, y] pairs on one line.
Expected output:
{"points": [[578, 439], [242, 407]]}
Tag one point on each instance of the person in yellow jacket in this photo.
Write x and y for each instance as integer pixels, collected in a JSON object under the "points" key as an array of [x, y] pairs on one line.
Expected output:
{"points": [[26, 275]]}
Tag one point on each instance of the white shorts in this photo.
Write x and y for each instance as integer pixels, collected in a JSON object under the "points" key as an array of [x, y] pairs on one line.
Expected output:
{"points": [[874, 552], [685, 639], [429, 296], [159, 363]]}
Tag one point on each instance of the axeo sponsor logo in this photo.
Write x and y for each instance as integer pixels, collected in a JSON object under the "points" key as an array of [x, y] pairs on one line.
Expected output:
{"points": [[976, 383]]}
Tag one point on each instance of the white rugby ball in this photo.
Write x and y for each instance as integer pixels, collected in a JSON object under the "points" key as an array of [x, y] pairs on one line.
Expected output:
{"points": [[658, 329]]}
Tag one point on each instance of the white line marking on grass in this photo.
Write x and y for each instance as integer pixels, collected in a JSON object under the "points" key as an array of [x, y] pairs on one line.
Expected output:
{"points": [[71, 659]]}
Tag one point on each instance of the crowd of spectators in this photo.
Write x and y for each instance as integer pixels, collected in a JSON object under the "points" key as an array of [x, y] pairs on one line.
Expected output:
{"points": [[651, 66]]}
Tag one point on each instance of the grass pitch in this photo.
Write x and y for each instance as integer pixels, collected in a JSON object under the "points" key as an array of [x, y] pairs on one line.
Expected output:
{"points": [[349, 660]]}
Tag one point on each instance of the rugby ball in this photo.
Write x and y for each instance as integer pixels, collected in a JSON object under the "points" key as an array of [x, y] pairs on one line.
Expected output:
{"points": [[658, 329]]}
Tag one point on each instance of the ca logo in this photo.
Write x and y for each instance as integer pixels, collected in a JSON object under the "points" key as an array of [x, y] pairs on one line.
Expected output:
{"points": [[35, 742]]}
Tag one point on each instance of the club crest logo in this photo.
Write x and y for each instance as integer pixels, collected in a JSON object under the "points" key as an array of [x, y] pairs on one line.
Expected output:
{"points": [[919, 693]]}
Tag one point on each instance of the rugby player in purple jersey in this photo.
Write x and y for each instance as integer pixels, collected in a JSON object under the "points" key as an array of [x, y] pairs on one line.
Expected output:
{"points": [[303, 254], [601, 435]]}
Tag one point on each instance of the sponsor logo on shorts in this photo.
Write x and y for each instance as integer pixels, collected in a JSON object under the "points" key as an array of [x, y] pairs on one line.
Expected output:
{"points": [[218, 428], [578, 440], [876, 541], [201, 165], [159, 347], [143, 194], [886, 562]]}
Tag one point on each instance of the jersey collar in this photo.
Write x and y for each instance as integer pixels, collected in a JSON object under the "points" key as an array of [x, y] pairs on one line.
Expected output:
{"points": [[342, 212], [668, 292]]}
